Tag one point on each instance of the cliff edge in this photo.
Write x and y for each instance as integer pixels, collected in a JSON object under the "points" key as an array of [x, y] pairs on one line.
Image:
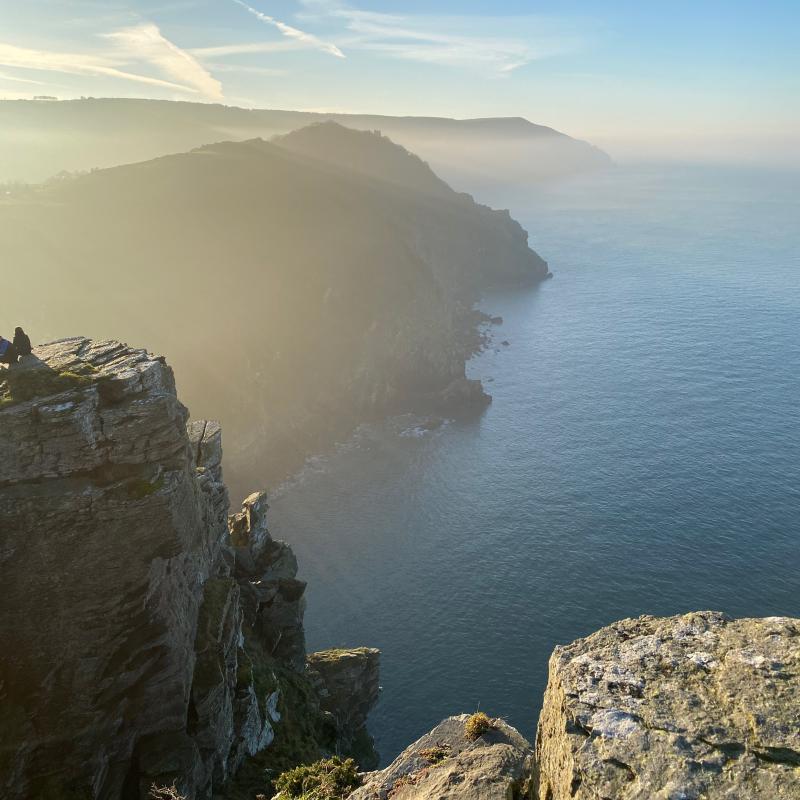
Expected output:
{"points": [[148, 638], [691, 707], [688, 707]]}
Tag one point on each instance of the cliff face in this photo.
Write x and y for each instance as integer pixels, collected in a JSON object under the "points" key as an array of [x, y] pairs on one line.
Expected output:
{"points": [[150, 639], [693, 707], [446, 764], [298, 294], [144, 641], [696, 706]]}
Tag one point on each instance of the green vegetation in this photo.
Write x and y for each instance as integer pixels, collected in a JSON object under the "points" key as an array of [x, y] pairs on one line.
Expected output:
{"points": [[335, 653], [139, 488], [210, 659], [476, 725], [435, 754], [303, 735], [329, 779], [18, 385]]}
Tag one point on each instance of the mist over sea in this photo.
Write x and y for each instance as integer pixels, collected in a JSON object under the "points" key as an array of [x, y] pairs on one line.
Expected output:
{"points": [[642, 454]]}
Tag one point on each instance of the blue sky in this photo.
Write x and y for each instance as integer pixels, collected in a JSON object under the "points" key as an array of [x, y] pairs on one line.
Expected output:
{"points": [[702, 79]]}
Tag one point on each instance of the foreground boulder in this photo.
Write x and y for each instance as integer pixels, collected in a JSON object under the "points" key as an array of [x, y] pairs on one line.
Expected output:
{"points": [[446, 763], [682, 708]]}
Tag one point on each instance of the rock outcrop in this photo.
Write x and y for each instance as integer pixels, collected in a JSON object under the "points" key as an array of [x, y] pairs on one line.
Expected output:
{"points": [[682, 708], [150, 639], [446, 764], [147, 638], [348, 684]]}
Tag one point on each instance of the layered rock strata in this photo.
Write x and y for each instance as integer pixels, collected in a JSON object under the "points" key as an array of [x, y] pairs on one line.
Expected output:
{"points": [[144, 641]]}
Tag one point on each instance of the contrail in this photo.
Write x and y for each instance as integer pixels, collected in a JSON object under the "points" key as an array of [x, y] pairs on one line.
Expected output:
{"points": [[293, 33]]}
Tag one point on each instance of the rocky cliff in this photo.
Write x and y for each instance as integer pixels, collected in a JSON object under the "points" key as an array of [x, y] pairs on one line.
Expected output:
{"points": [[450, 764], [300, 287], [150, 639], [689, 707], [692, 707], [147, 638]]}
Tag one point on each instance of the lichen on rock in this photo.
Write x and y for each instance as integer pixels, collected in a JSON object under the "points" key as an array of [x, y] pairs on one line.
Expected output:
{"points": [[690, 707], [446, 764]]}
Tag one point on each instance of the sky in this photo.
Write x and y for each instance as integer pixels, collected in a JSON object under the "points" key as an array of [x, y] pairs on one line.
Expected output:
{"points": [[704, 79]]}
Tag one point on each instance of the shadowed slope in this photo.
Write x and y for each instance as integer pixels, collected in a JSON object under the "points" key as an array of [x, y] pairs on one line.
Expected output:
{"points": [[296, 297]]}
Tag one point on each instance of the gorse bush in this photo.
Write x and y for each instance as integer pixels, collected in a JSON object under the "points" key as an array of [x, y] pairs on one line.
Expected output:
{"points": [[435, 754], [329, 779], [476, 725]]}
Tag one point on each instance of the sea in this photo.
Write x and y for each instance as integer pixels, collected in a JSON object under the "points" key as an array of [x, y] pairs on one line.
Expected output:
{"points": [[641, 454]]}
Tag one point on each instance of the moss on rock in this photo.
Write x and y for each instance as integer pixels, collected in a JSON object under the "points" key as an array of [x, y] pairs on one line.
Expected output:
{"points": [[328, 779]]}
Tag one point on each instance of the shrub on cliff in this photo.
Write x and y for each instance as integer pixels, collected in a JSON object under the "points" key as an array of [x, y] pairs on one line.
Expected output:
{"points": [[476, 725], [329, 779], [164, 793]]}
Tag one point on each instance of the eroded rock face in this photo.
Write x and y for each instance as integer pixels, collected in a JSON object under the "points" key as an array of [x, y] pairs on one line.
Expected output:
{"points": [[108, 535], [140, 644], [682, 708], [445, 764], [348, 685]]}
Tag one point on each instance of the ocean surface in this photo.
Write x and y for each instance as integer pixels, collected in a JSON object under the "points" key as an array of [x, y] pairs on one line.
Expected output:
{"points": [[641, 455]]}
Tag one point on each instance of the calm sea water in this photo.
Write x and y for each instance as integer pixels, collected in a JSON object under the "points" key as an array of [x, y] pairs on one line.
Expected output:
{"points": [[642, 454]]}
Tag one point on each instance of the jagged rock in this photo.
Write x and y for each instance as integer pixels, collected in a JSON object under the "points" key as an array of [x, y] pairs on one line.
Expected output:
{"points": [[445, 764], [127, 618], [348, 685], [249, 532], [275, 601], [108, 538], [682, 708]]}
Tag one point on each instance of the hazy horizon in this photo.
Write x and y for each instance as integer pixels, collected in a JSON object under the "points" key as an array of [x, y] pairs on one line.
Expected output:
{"points": [[715, 82]]}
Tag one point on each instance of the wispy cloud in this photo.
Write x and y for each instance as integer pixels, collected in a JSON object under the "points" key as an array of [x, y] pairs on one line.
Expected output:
{"points": [[303, 38], [146, 42], [4, 76], [449, 41], [140, 47], [74, 64], [268, 72], [246, 48]]}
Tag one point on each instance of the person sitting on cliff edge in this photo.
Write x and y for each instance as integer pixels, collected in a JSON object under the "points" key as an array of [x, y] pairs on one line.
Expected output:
{"points": [[8, 353], [22, 343]]}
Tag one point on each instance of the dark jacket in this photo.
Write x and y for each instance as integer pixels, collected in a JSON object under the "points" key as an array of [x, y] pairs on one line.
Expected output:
{"points": [[8, 353], [22, 344]]}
